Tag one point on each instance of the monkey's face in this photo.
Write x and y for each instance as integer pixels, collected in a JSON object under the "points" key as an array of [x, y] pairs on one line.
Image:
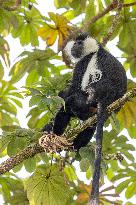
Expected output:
{"points": [[77, 49], [80, 47]]}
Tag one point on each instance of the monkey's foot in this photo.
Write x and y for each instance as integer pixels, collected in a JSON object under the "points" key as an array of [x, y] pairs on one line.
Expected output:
{"points": [[53, 143]]}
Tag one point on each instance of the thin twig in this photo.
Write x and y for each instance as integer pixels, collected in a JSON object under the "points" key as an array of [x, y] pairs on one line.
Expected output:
{"points": [[130, 4], [113, 27], [30, 151], [13, 8], [109, 8], [98, 16]]}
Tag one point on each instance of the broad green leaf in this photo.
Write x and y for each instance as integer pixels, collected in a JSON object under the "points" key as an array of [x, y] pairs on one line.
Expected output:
{"points": [[46, 186]]}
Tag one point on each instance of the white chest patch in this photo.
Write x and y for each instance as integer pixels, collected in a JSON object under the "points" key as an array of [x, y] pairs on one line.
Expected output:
{"points": [[92, 72]]}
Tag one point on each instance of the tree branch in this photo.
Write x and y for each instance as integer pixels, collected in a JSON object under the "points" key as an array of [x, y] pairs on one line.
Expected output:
{"points": [[109, 8], [130, 4], [30, 151], [13, 8], [113, 27], [98, 16], [10, 163]]}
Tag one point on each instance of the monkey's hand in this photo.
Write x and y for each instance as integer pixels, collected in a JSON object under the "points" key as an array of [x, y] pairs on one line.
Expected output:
{"points": [[52, 143]]}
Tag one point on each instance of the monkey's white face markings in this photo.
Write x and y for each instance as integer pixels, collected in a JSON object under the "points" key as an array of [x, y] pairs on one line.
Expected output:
{"points": [[91, 71], [67, 50], [90, 45]]}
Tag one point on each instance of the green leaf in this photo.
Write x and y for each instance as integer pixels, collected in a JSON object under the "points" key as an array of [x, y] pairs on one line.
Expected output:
{"points": [[70, 173], [132, 131], [90, 10], [118, 176], [4, 53], [69, 14], [38, 59], [12, 147], [4, 141], [123, 185], [35, 100], [32, 78], [1, 71], [15, 145], [47, 186], [88, 173], [17, 168], [114, 122], [131, 190], [60, 3], [84, 164], [30, 164]]}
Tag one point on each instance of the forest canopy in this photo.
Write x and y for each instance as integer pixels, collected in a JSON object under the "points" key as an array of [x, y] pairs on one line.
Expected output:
{"points": [[37, 75]]}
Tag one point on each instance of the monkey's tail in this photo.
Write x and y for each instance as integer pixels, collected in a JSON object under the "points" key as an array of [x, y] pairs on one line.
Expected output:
{"points": [[102, 115]]}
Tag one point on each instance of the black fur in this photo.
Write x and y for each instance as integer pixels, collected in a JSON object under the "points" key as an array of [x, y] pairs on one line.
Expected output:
{"points": [[110, 87]]}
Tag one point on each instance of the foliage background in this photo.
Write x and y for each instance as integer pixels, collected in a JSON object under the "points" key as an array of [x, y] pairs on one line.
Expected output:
{"points": [[36, 76]]}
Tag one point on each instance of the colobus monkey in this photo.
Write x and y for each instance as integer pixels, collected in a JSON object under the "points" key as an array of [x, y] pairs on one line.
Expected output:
{"points": [[98, 80]]}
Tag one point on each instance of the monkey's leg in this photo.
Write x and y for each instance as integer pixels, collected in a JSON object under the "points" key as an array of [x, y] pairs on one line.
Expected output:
{"points": [[83, 138], [102, 116]]}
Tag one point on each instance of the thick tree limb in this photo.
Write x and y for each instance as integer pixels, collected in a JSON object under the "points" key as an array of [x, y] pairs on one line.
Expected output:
{"points": [[10, 163], [109, 8], [30, 151]]}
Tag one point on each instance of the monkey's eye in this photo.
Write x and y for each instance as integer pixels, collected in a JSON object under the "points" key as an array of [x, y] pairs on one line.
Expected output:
{"points": [[78, 42]]}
